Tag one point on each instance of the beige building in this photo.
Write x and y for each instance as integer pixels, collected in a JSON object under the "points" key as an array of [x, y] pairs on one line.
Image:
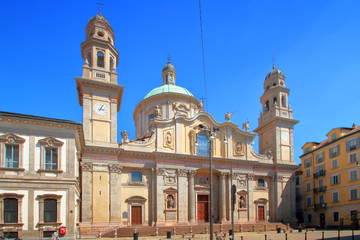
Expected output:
{"points": [[39, 175], [162, 177]]}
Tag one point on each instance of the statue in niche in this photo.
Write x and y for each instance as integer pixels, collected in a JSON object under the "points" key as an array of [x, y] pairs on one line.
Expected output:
{"points": [[157, 111], [228, 116], [170, 202], [238, 147], [242, 202]]}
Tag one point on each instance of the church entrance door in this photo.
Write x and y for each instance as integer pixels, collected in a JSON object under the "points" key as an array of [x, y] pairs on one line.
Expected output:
{"points": [[203, 208], [261, 211], [136, 215]]}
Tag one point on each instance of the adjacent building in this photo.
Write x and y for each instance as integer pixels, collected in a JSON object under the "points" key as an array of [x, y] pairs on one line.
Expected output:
{"points": [[330, 179], [39, 175]]}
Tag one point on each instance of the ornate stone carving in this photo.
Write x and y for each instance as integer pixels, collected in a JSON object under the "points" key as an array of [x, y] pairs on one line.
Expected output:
{"points": [[86, 166], [239, 148], [157, 111], [115, 168], [228, 116], [279, 178], [124, 136], [235, 176], [160, 171], [168, 139], [192, 173], [269, 153], [245, 125], [222, 174], [182, 172], [242, 183], [170, 180], [250, 176]]}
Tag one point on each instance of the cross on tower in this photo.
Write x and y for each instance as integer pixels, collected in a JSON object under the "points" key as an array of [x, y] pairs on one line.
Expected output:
{"points": [[273, 63], [169, 57], [100, 4]]}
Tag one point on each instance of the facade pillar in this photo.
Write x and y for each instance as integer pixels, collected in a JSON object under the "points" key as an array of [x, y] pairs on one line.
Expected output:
{"points": [[222, 196], [160, 196], [86, 186], [115, 193], [279, 180], [251, 206], [191, 202], [182, 196], [293, 200]]}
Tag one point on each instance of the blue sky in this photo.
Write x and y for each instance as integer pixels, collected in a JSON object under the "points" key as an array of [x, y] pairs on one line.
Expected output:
{"points": [[315, 44]]}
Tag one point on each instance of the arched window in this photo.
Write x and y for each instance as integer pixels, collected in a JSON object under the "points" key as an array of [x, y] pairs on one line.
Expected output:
{"points": [[10, 210], [202, 145], [261, 183], [50, 210], [267, 106], [111, 64], [283, 101], [100, 59], [275, 101]]}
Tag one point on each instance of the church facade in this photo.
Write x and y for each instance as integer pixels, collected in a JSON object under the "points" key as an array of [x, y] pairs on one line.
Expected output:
{"points": [[80, 177], [162, 177]]}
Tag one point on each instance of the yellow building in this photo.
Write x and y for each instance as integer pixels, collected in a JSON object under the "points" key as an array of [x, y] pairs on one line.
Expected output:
{"points": [[330, 181]]}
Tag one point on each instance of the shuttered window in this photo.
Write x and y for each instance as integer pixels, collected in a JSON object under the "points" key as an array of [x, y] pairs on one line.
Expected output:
{"points": [[335, 180], [353, 194], [353, 144], [353, 175], [353, 157], [334, 151], [308, 162], [320, 157]]}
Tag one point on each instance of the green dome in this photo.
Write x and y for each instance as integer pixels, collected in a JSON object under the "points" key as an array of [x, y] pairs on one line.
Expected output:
{"points": [[274, 71], [168, 89], [169, 66]]}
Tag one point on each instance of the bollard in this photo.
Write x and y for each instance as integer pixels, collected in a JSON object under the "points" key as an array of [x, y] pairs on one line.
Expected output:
{"points": [[285, 236], [168, 235], [352, 235], [338, 234], [305, 235], [265, 237], [242, 238], [322, 237], [136, 235], [174, 231], [240, 230]]}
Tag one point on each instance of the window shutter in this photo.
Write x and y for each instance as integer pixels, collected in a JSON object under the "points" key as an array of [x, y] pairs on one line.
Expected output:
{"points": [[330, 152], [332, 181], [357, 142], [348, 146], [339, 179], [338, 150]]}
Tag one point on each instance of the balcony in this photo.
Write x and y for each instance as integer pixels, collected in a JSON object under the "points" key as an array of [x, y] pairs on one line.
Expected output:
{"points": [[320, 189], [320, 206], [320, 173]]}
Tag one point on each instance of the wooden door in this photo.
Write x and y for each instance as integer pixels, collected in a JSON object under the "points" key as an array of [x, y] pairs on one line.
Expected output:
{"points": [[136, 216], [261, 213], [203, 208]]}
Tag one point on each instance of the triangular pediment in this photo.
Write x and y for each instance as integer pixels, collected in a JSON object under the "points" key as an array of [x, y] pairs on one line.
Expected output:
{"points": [[11, 138]]}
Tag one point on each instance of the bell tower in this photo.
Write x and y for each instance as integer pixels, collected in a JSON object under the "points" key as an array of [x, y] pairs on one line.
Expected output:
{"points": [[276, 121], [98, 90]]}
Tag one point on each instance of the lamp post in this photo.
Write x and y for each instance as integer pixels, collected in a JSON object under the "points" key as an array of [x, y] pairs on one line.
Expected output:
{"points": [[210, 133]]}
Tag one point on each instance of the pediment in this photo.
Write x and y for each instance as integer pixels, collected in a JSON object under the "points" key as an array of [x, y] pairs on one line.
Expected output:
{"points": [[50, 142], [11, 138], [135, 199]]}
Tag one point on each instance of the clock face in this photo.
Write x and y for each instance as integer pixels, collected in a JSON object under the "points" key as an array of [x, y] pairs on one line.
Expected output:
{"points": [[100, 109], [285, 137]]}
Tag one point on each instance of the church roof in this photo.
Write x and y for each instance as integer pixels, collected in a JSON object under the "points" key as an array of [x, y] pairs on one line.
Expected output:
{"points": [[99, 18], [274, 71], [167, 88]]}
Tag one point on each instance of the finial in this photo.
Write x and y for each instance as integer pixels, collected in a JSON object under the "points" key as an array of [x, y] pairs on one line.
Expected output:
{"points": [[100, 4], [273, 63], [169, 56]]}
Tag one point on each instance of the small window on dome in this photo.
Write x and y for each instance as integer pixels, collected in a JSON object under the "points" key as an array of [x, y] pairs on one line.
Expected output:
{"points": [[282, 83], [101, 34]]}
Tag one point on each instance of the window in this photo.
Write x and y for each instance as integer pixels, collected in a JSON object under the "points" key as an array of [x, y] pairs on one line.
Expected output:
{"points": [[267, 106], [335, 180], [334, 163], [261, 183], [321, 199], [336, 216], [297, 181], [10, 150], [202, 148], [307, 150], [308, 201], [309, 218], [334, 151], [353, 157], [320, 168], [152, 116], [10, 210], [9, 235], [11, 156], [50, 154], [353, 175], [308, 162], [321, 183], [50, 210], [308, 187], [308, 172], [333, 136], [320, 157], [111, 64], [353, 144], [89, 59], [283, 100], [275, 101], [100, 59], [51, 158], [335, 196], [354, 194], [136, 177]]}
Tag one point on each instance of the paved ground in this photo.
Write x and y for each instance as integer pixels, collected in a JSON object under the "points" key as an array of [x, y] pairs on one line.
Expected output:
{"points": [[329, 235]]}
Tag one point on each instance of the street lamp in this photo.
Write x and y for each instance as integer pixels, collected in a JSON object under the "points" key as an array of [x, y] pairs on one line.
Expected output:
{"points": [[211, 133]]}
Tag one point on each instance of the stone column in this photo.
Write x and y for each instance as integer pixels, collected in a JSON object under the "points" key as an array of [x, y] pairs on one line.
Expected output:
{"points": [[86, 199], [86, 117], [222, 192], [191, 202], [113, 119], [293, 200], [115, 193], [160, 196], [182, 196], [278, 192], [251, 206]]}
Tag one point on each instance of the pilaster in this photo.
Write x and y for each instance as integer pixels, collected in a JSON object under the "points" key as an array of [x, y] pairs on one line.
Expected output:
{"points": [[115, 193], [251, 208], [191, 202], [278, 192], [182, 196], [222, 202], [86, 186], [160, 219]]}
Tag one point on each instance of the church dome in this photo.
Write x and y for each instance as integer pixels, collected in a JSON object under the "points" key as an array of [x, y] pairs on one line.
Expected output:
{"points": [[168, 89], [99, 18], [169, 67], [273, 72]]}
